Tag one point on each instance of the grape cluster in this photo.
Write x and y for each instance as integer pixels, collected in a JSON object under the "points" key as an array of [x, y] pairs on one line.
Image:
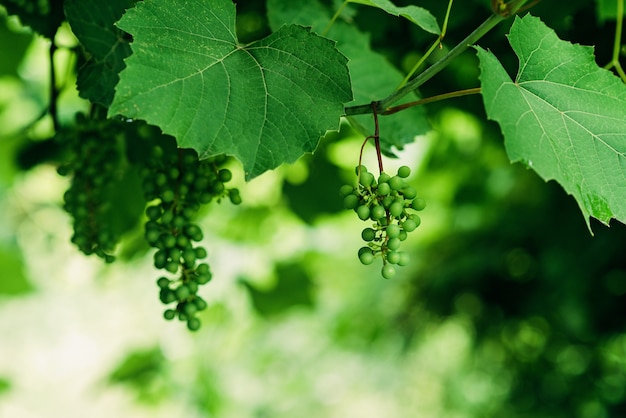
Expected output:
{"points": [[93, 162], [386, 202], [178, 183]]}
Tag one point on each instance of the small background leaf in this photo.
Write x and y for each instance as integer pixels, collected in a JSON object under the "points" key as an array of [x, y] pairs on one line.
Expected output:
{"points": [[106, 45], [292, 288], [266, 103], [14, 281], [563, 116], [418, 15]]}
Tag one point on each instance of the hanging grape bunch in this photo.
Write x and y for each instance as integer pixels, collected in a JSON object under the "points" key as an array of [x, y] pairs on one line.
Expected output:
{"points": [[179, 183], [93, 163], [388, 203]]}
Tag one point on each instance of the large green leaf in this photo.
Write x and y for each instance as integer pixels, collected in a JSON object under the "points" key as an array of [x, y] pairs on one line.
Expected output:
{"points": [[107, 46], [417, 15], [265, 103], [562, 116], [373, 76]]}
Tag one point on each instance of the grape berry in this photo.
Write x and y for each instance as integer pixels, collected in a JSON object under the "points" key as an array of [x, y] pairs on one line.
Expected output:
{"points": [[387, 202]]}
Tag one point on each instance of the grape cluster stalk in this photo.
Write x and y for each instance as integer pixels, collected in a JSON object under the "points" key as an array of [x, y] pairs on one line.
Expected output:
{"points": [[387, 203]]}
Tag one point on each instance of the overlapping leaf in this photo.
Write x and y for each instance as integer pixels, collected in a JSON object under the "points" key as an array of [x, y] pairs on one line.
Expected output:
{"points": [[93, 25], [265, 103], [373, 76], [417, 15], [563, 116]]}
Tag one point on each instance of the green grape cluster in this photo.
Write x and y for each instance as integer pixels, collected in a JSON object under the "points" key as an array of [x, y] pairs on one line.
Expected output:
{"points": [[178, 183], [93, 163], [387, 202]]}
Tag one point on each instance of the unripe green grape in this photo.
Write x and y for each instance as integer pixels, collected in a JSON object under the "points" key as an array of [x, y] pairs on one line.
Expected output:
{"points": [[360, 168], [346, 190], [189, 308], [396, 209], [394, 243], [409, 225], [193, 286], [173, 173], [383, 189], [172, 266], [193, 232], [383, 178], [351, 201], [167, 217], [368, 234], [168, 196], [160, 258], [179, 221], [363, 212], [182, 242], [409, 192], [235, 198], [193, 324], [366, 258], [387, 201], [393, 257], [168, 240], [189, 257], [163, 282], [167, 296], [418, 204], [200, 252], [415, 219], [203, 268], [182, 292], [160, 179], [393, 231], [403, 235], [404, 172], [204, 278], [377, 212], [367, 179], [396, 183], [153, 212], [224, 175], [169, 314], [200, 303], [388, 271], [152, 236], [218, 188]]}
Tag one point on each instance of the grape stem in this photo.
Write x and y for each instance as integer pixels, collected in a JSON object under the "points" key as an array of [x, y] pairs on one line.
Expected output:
{"points": [[376, 138]]}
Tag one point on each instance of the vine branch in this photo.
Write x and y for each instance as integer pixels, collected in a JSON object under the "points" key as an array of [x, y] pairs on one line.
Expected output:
{"points": [[498, 16]]}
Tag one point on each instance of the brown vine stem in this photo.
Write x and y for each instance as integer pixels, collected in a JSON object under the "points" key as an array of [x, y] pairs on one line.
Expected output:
{"points": [[376, 137], [444, 96]]}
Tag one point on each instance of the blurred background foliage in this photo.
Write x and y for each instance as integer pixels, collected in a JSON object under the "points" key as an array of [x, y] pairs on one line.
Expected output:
{"points": [[509, 308]]}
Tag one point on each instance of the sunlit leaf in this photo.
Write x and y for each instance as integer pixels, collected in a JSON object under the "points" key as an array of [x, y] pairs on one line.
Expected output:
{"points": [[562, 116], [266, 103]]}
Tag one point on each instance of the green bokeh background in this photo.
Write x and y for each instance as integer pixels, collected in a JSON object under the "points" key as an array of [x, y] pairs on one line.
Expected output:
{"points": [[509, 308]]}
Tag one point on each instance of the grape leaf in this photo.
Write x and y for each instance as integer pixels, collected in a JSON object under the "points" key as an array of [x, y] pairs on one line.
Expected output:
{"points": [[92, 23], [373, 76], [563, 116], [266, 103], [414, 14]]}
